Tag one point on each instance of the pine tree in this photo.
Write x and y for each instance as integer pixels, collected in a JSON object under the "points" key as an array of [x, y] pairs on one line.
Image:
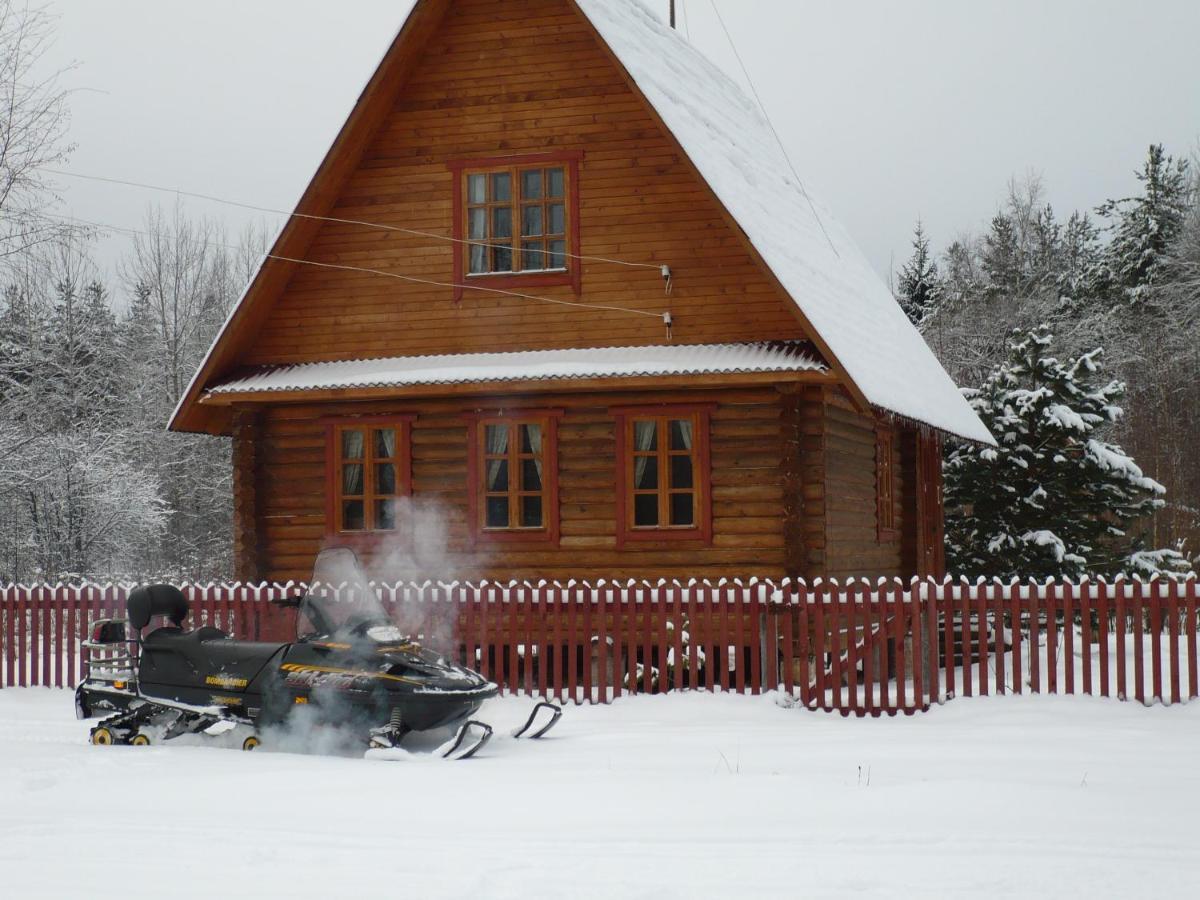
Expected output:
{"points": [[1054, 498], [920, 284], [1002, 259], [1143, 227]]}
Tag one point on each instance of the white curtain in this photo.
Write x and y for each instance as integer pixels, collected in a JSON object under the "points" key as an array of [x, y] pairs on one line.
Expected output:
{"points": [[497, 444], [386, 443], [685, 432], [644, 434], [535, 444]]}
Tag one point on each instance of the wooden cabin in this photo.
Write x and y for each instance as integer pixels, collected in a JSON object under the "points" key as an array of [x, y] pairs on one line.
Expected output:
{"points": [[556, 302]]}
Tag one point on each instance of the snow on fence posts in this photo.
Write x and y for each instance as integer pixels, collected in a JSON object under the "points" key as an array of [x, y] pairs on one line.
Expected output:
{"points": [[856, 647]]}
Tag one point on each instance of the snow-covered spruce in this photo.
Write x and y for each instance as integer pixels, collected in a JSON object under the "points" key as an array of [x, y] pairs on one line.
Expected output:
{"points": [[1054, 498]]}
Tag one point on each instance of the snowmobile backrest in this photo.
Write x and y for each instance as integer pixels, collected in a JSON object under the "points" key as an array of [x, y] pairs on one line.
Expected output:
{"points": [[148, 601]]}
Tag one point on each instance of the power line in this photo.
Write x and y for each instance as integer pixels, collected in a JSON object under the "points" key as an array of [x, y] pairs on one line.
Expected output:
{"points": [[771, 125], [409, 278], [339, 221]]}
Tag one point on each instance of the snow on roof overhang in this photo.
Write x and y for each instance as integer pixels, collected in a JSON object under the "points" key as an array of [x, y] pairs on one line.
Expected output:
{"points": [[527, 366], [732, 146]]}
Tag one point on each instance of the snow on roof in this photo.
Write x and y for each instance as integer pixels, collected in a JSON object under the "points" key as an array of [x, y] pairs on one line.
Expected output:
{"points": [[732, 145], [529, 365]]}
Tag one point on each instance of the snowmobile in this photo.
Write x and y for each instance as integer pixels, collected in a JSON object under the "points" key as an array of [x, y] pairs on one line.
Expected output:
{"points": [[350, 668]]}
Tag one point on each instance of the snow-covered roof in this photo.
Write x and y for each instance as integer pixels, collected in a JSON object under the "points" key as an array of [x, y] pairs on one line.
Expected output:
{"points": [[816, 261], [529, 365]]}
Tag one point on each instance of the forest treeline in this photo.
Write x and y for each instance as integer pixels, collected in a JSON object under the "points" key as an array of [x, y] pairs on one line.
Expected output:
{"points": [[1080, 337]]}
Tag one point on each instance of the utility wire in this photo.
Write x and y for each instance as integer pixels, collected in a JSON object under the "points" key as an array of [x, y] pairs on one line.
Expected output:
{"points": [[409, 278], [771, 125], [296, 215]]}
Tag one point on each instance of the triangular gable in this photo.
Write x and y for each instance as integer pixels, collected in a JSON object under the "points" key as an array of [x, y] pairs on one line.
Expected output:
{"points": [[842, 303]]}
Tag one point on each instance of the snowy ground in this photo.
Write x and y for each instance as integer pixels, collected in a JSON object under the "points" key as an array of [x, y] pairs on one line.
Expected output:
{"points": [[677, 796]]}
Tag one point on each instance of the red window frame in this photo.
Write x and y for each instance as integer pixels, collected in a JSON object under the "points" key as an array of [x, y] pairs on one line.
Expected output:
{"points": [[334, 495], [702, 530], [461, 168], [885, 483], [477, 423]]}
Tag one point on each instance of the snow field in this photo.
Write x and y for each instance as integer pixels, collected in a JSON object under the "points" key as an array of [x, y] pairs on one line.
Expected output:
{"points": [[679, 796]]}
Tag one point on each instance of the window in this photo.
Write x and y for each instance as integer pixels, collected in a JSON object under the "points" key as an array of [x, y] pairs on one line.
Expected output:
{"points": [[369, 471], [885, 482], [513, 476], [518, 221], [663, 474]]}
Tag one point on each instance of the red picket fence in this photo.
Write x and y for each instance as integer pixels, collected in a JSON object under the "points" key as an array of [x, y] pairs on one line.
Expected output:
{"points": [[859, 648]]}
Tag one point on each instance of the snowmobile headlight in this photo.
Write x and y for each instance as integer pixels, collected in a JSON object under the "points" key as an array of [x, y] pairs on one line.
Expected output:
{"points": [[385, 634]]}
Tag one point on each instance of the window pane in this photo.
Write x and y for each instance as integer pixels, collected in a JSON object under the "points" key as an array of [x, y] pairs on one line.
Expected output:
{"points": [[385, 443], [385, 479], [385, 515], [502, 259], [558, 255], [352, 515], [533, 259], [645, 510], [531, 438], [497, 475], [477, 224], [558, 219], [531, 475], [531, 221], [531, 184], [531, 512], [556, 183], [645, 473], [502, 222], [681, 434], [352, 480], [645, 436], [352, 445], [476, 188], [681, 472], [501, 187], [682, 509], [478, 260], [497, 440], [497, 512]]}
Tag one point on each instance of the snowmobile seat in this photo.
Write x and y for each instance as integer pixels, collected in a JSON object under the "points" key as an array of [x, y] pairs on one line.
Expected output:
{"points": [[174, 656]]}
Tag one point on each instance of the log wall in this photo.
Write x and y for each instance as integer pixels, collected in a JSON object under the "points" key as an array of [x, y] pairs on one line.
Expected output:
{"points": [[854, 547], [747, 488]]}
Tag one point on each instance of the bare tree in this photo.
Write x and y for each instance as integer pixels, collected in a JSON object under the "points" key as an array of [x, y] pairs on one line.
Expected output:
{"points": [[33, 126]]}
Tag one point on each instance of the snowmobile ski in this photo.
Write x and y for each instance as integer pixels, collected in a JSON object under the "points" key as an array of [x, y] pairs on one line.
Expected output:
{"points": [[469, 741], [544, 716]]}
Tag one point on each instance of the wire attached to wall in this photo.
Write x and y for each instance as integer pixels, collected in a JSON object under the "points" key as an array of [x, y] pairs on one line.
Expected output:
{"points": [[771, 125], [338, 221], [664, 316]]}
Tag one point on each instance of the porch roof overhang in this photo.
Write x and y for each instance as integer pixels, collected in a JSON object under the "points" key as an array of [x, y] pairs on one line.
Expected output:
{"points": [[696, 365]]}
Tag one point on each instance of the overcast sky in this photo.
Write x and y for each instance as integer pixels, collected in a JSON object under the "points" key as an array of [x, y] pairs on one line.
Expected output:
{"points": [[889, 109]]}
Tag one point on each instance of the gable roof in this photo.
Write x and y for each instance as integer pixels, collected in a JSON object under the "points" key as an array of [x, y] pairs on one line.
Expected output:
{"points": [[856, 320]]}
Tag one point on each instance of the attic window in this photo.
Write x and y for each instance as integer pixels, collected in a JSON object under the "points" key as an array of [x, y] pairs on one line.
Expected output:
{"points": [[517, 221]]}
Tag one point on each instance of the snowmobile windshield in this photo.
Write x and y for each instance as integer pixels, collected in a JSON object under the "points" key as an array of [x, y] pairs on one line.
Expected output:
{"points": [[340, 599]]}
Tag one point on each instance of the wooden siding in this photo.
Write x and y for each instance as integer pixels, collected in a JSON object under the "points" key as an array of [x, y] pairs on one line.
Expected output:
{"points": [[516, 78], [747, 487], [853, 545]]}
